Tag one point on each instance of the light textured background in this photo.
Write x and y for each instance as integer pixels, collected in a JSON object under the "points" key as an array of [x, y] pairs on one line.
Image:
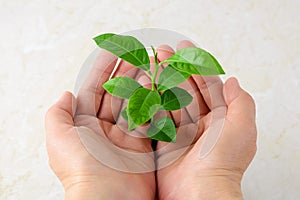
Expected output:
{"points": [[44, 43]]}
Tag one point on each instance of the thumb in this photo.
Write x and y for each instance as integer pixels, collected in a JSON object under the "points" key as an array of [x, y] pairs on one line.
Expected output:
{"points": [[236, 146], [59, 117], [241, 106]]}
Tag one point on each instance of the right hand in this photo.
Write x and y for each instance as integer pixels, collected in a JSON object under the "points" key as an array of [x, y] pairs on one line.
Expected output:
{"points": [[218, 175]]}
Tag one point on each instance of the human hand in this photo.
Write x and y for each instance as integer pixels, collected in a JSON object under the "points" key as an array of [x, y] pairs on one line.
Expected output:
{"points": [[83, 131], [218, 174], [81, 172]]}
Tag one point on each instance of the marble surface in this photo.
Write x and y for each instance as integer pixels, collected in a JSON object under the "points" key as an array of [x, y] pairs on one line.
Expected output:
{"points": [[44, 43]]}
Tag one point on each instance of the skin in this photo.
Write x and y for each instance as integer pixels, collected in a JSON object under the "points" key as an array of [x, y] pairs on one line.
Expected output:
{"points": [[82, 176], [216, 176]]}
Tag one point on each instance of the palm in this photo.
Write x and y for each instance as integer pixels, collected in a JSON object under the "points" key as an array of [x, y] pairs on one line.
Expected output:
{"points": [[226, 160], [94, 165]]}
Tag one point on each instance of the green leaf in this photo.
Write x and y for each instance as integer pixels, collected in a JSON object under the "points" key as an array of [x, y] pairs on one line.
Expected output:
{"points": [[142, 106], [170, 78], [124, 114], [121, 86], [131, 124], [175, 98], [194, 60], [126, 47], [163, 130]]}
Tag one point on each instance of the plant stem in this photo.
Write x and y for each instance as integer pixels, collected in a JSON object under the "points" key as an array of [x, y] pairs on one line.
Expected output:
{"points": [[150, 74], [152, 120], [153, 78]]}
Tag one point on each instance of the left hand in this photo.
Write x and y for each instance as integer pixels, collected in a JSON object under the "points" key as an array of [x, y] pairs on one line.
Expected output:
{"points": [[81, 173]]}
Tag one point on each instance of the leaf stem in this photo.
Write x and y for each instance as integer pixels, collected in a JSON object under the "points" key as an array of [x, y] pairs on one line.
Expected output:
{"points": [[153, 78], [150, 74], [152, 120]]}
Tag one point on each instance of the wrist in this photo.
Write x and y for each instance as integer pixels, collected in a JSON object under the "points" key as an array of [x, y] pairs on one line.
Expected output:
{"points": [[86, 191], [207, 188], [84, 187], [219, 184], [94, 188], [219, 188]]}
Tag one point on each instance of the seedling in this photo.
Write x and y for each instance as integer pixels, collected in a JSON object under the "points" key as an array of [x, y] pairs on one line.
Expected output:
{"points": [[143, 103]]}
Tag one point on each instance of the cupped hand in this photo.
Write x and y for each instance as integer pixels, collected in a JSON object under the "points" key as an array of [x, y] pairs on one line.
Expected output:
{"points": [[216, 140], [89, 151]]}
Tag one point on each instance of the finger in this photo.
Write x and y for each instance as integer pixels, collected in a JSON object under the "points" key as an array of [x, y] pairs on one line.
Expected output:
{"points": [[194, 110], [144, 79], [197, 108], [212, 92], [184, 44], [110, 105], [241, 113], [238, 131], [135, 140], [140, 131], [183, 116], [113, 114], [59, 117], [109, 108], [164, 52], [241, 106], [203, 109], [211, 88], [180, 117], [91, 92]]}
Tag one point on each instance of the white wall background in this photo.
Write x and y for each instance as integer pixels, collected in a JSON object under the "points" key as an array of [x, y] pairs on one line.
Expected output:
{"points": [[44, 43]]}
